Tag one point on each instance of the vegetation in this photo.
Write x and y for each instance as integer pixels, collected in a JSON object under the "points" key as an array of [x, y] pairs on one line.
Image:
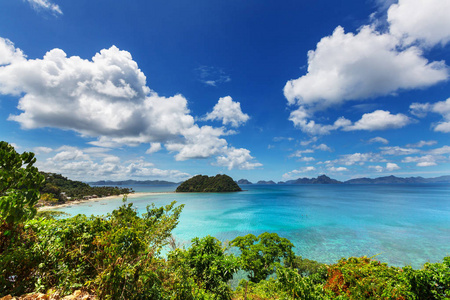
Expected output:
{"points": [[58, 189], [19, 185], [203, 183], [119, 256]]}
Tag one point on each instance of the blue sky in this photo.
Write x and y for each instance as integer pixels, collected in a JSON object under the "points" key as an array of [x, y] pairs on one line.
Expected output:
{"points": [[262, 90]]}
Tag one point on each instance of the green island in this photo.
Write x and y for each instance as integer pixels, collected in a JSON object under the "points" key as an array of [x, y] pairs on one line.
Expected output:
{"points": [[205, 184], [120, 256]]}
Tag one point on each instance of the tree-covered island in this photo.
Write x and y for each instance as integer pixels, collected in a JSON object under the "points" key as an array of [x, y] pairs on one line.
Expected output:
{"points": [[204, 184]]}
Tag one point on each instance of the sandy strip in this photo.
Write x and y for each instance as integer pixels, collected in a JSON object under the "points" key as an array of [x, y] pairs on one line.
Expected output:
{"points": [[75, 202]]}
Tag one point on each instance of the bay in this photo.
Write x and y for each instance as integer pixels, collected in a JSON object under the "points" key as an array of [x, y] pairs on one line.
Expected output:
{"points": [[400, 224]]}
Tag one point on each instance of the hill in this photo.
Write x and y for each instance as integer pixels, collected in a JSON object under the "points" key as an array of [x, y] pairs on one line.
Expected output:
{"points": [[58, 188], [133, 182], [399, 180], [243, 181], [322, 179], [205, 184]]}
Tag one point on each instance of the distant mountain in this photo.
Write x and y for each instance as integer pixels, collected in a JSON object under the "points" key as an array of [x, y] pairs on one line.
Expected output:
{"points": [[243, 181], [265, 182], [132, 182], [398, 180], [322, 179]]}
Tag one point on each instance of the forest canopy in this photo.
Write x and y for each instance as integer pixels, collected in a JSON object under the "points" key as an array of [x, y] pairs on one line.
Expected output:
{"points": [[205, 184]]}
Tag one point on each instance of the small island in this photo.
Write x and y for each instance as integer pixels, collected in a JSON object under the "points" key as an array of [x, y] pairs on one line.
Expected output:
{"points": [[205, 184]]}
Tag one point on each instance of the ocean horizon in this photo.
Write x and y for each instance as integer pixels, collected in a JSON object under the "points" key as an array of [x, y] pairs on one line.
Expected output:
{"points": [[400, 224]]}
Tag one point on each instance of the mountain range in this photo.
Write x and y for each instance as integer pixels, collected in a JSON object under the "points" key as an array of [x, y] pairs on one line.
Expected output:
{"points": [[323, 179]]}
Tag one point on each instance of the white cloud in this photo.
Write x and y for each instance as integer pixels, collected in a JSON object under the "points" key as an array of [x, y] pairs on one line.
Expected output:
{"points": [[441, 107], [211, 76], [422, 161], [78, 164], [9, 54], [440, 151], [421, 144], [323, 147], [338, 169], [299, 153], [378, 140], [295, 173], [396, 150], [392, 167], [154, 147], [358, 158], [45, 5], [229, 112], [379, 120], [39, 150], [107, 98], [307, 159], [237, 159], [376, 168], [370, 63], [347, 66], [426, 21]]}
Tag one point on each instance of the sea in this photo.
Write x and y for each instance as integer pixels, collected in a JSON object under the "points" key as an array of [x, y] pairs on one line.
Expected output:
{"points": [[400, 224]]}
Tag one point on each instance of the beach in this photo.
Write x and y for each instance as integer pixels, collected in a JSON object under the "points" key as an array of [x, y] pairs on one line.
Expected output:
{"points": [[80, 201]]}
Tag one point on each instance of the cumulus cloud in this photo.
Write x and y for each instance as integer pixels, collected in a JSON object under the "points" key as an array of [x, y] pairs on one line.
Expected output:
{"points": [[426, 21], [377, 168], [379, 120], [347, 66], [338, 169], [154, 147], [45, 5], [392, 167], [89, 164], [370, 63], [358, 158], [237, 159], [296, 173], [229, 112], [422, 161], [378, 140], [107, 98], [441, 107]]}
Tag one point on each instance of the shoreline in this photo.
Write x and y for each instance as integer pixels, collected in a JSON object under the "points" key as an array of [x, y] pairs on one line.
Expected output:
{"points": [[76, 202]]}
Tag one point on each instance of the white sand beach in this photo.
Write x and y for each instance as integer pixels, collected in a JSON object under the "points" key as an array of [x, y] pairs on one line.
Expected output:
{"points": [[75, 202]]}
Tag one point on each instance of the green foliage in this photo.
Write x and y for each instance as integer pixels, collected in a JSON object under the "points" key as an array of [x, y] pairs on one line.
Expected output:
{"points": [[116, 256], [209, 265], [60, 188], [306, 267], [19, 185], [203, 183], [260, 255]]}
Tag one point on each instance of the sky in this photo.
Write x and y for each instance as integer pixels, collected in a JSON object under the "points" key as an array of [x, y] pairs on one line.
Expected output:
{"points": [[256, 89]]}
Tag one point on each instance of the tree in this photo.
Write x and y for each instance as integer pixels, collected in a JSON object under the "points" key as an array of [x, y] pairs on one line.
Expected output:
{"points": [[20, 182], [260, 255]]}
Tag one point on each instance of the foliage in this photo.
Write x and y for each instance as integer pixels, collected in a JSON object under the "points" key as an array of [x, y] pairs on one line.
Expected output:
{"points": [[260, 255], [203, 183], [208, 264], [61, 188], [306, 267], [19, 185]]}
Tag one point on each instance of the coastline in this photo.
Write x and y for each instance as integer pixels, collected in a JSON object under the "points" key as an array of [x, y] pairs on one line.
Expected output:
{"points": [[76, 202]]}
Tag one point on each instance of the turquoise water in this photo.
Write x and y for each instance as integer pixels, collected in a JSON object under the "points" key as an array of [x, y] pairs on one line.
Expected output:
{"points": [[403, 224]]}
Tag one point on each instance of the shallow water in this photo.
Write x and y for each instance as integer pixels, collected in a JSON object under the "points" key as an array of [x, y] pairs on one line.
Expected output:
{"points": [[403, 224]]}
